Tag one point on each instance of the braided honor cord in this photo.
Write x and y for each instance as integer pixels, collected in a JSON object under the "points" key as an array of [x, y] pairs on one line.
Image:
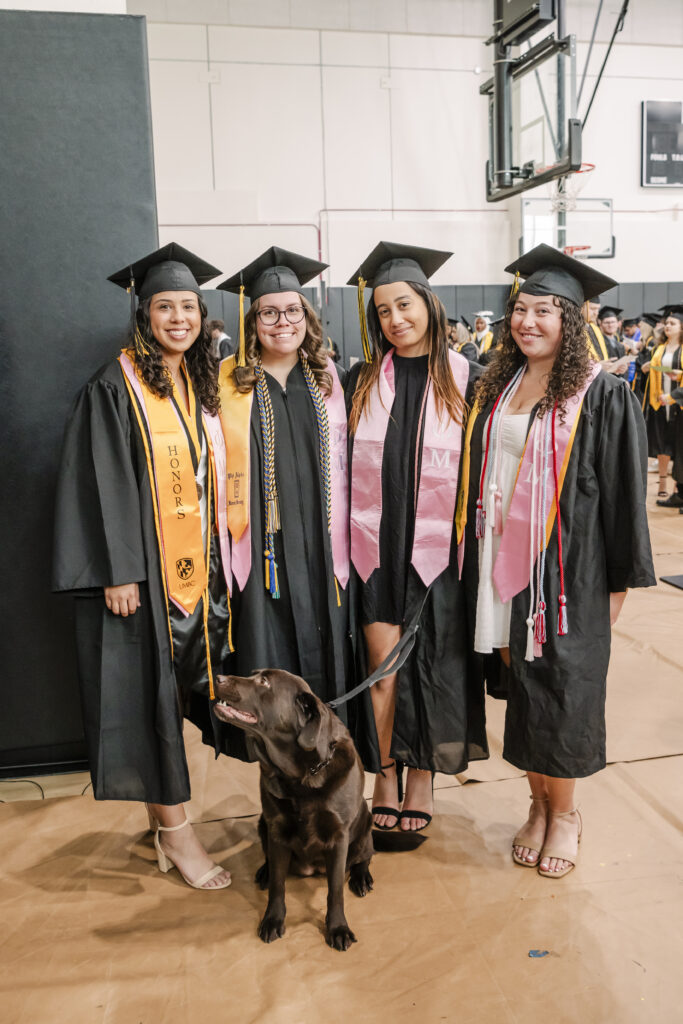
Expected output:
{"points": [[272, 508], [323, 433]]}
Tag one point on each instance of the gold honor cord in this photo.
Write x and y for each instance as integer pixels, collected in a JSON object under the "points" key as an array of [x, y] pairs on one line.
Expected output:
{"points": [[362, 318]]}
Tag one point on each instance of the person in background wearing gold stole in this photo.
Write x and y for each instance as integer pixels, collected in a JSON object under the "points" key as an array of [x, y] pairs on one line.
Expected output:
{"points": [[141, 541], [553, 502]]}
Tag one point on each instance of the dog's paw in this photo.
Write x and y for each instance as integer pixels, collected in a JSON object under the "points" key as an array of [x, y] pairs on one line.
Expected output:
{"points": [[261, 876], [340, 938], [360, 882], [271, 928]]}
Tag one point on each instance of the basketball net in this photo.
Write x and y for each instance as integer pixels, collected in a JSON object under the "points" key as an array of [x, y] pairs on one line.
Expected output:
{"points": [[563, 191]]}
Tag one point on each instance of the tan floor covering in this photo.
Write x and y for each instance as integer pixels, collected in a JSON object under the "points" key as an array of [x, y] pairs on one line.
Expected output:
{"points": [[93, 934]]}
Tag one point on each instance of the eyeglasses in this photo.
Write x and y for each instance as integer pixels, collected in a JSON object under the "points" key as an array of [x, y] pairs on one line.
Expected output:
{"points": [[269, 317]]}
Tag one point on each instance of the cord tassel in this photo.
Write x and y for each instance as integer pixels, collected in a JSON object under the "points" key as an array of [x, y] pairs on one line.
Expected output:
{"points": [[539, 629], [498, 512], [364, 336], [480, 520], [241, 352], [529, 655], [562, 624], [273, 514]]}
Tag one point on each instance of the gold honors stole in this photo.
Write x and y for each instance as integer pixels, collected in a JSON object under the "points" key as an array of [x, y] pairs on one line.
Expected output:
{"points": [[174, 486], [235, 419], [593, 335]]}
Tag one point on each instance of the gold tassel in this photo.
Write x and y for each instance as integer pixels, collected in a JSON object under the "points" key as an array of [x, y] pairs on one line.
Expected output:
{"points": [[336, 587], [515, 286], [272, 515], [364, 336], [241, 354]]}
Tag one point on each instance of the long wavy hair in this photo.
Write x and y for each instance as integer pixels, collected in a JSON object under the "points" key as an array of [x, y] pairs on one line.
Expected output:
{"points": [[446, 391], [570, 369], [202, 364], [312, 346]]}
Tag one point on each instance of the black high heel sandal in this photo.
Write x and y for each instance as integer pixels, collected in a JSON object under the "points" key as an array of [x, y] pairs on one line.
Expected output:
{"points": [[417, 814], [393, 812]]}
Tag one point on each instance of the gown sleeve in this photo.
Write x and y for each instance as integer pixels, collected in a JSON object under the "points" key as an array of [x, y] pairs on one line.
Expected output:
{"points": [[98, 529], [621, 467]]}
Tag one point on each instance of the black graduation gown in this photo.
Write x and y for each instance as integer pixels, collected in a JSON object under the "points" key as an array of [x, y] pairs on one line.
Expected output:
{"points": [[555, 717], [305, 630], [662, 423], [615, 349], [439, 722], [135, 690]]}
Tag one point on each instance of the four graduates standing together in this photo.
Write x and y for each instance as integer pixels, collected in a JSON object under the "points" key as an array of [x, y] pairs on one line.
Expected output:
{"points": [[277, 511]]}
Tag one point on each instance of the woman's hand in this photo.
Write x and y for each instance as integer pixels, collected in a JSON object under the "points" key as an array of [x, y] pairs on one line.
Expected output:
{"points": [[616, 601], [122, 600], [665, 399], [646, 367]]}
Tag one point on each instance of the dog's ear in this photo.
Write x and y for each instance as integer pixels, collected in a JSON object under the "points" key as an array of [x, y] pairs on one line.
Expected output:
{"points": [[310, 720]]}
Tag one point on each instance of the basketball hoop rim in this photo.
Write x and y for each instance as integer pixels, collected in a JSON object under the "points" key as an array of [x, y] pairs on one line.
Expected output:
{"points": [[585, 168]]}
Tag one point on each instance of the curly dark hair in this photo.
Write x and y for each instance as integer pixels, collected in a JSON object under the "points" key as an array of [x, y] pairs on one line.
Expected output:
{"points": [[202, 364], [570, 369], [446, 391], [312, 346]]}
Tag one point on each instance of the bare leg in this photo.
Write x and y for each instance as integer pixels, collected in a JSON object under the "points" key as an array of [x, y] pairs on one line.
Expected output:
{"points": [[531, 835], [663, 462], [380, 638], [183, 847], [562, 832]]}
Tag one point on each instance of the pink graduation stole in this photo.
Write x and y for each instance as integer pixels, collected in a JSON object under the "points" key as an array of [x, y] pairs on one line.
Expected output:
{"points": [[511, 571], [436, 488], [339, 538]]}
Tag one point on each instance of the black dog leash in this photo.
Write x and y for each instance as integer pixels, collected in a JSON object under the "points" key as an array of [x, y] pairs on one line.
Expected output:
{"points": [[395, 660]]}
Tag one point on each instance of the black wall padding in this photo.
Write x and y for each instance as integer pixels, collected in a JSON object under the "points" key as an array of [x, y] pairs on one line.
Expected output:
{"points": [[78, 201]]}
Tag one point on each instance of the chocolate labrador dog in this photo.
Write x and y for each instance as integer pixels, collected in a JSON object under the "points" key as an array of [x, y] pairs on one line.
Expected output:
{"points": [[314, 815]]}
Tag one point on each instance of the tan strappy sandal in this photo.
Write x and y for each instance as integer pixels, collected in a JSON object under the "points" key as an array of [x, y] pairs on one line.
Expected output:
{"points": [[520, 841], [559, 854], [166, 863]]}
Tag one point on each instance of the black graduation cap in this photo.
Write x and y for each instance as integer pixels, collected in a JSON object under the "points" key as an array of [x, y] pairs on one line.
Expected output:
{"points": [[631, 321], [547, 271], [466, 323], [672, 309], [170, 269], [390, 262], [453, 321], [606, 311], [651, 318], [275, 270]]}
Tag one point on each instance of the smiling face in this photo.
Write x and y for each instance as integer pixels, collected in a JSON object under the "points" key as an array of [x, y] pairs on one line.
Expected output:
{"points": [[175, 320], [609, 325], [403, 317], [282, 338], [536, 326]]}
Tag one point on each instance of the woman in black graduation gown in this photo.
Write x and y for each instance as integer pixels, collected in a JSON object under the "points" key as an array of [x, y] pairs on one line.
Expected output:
{"points": [[134, 543], [407, 408], [662, 414], [545, 588], [284, 418]]}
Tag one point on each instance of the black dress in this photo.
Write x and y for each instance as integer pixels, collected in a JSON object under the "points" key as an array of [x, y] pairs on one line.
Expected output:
{"points": [[662, 425], [305, 630], [439, 721], [555, 716], [135, 688]]}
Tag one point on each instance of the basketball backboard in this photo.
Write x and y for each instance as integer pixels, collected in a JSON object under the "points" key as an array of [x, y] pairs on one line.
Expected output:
{"points": [[586, 232]]}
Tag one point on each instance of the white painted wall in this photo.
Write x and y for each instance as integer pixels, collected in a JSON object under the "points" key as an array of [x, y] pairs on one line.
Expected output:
{"points": [[66, 6], [345, 121]]}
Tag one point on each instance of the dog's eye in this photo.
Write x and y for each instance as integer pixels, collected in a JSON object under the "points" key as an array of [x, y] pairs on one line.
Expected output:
{"points": [[263, 681]]}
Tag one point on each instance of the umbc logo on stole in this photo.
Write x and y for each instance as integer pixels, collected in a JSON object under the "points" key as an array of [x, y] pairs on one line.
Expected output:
{"points": [[184, 567]]}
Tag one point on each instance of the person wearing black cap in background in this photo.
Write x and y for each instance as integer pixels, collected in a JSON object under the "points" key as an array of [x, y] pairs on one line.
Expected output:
{"points": [[284, 418], [631, 336], [459, 340], [134, 542], [545, 584], [406, 412], [663, 372]]}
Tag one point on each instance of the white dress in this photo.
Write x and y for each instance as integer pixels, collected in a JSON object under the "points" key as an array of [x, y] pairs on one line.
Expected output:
{"points": [[667, 364], [492, 629]]}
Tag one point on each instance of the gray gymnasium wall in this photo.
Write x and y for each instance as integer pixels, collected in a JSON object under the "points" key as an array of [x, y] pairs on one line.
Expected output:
{"points": [[77, 183]]}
